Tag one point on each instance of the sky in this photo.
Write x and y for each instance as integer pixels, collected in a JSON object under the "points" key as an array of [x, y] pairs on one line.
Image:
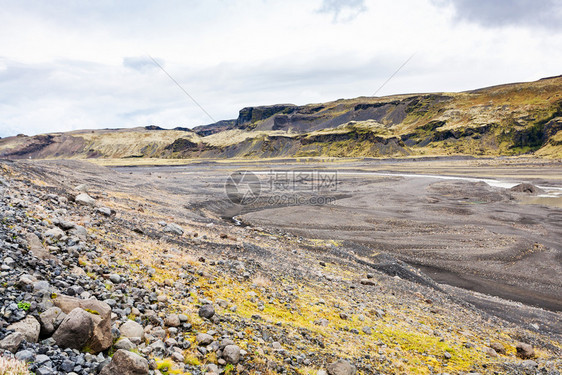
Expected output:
{"points": [[69, 64]]}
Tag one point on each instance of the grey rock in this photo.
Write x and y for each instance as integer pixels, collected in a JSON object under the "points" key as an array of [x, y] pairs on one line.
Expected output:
{"points": [[225, 343], [82, 187], [178, 357], [115, 278], [50, 320], [42, 359], [158, 348], [75, 330], [79, 231], [490, 352], [173, 228], [158, 333], [526, 188], [183, 318], [525, 351], [124, 344], [498, 347], [368, 282], [203, 339], [131, 329], [172, 320], [36, 247], [12, 342], [67, 365], [126, 363], [341, 367], [101, 338], [25, 356], [29, 327], [85, 200], [104, 211], [65, 225], [45, 371], [231, 354], [212, 369], [206, 311], [41, 286], [55, 233]]}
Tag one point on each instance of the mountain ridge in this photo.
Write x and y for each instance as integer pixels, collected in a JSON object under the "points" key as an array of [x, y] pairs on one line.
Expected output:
{"points": [[501, 120]]}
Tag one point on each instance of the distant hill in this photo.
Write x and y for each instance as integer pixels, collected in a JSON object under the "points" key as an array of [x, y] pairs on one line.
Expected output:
{"points": [[511, 119]]}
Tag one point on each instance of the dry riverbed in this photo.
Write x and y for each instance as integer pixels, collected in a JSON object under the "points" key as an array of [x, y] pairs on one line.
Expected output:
{"points": [[394, 266]]}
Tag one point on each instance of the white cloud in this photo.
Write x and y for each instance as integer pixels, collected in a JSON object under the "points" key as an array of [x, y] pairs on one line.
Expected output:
{"points": [[87, 66], [343, 10]]}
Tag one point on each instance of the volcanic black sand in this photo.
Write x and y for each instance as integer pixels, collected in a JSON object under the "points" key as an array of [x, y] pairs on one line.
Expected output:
{"points": [[460, 232], [464, 232]]}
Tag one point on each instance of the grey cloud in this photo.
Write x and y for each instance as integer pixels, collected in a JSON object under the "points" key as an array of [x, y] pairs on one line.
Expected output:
{"points": [[343, 10], [140, 63], [537, 13], [62, 95]]}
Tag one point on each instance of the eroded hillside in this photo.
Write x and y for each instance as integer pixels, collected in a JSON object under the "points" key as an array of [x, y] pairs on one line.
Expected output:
{"points": [[513, 119]]}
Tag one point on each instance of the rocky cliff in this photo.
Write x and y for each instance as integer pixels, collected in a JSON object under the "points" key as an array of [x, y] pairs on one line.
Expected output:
{"points": [[513, 119]]}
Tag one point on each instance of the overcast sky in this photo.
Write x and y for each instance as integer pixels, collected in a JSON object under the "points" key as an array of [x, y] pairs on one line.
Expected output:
{"points": [[68, 65]]}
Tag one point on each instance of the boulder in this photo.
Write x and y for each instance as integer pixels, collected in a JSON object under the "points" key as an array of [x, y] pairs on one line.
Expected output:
{"points": [[104, 211], [82, 187], [36, 247], [12, 342], [25, 356], [498, 347], [50, 320], [115, 278], [158, 348], [341, 367], [131, 329], [172, 320], [203, 339], [29, 327], [178, 357], [84, 200], [100, 312], [75, 330], [368, 282], [126, 363], [490, 352], [174, 229], [55, 233], [231, 354], [79, 231], [207, 311], [77, 271], [525, 351], [125, 344]]}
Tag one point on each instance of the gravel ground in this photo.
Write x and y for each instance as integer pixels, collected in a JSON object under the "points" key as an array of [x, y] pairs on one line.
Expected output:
{"points": [[187, 291]]}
